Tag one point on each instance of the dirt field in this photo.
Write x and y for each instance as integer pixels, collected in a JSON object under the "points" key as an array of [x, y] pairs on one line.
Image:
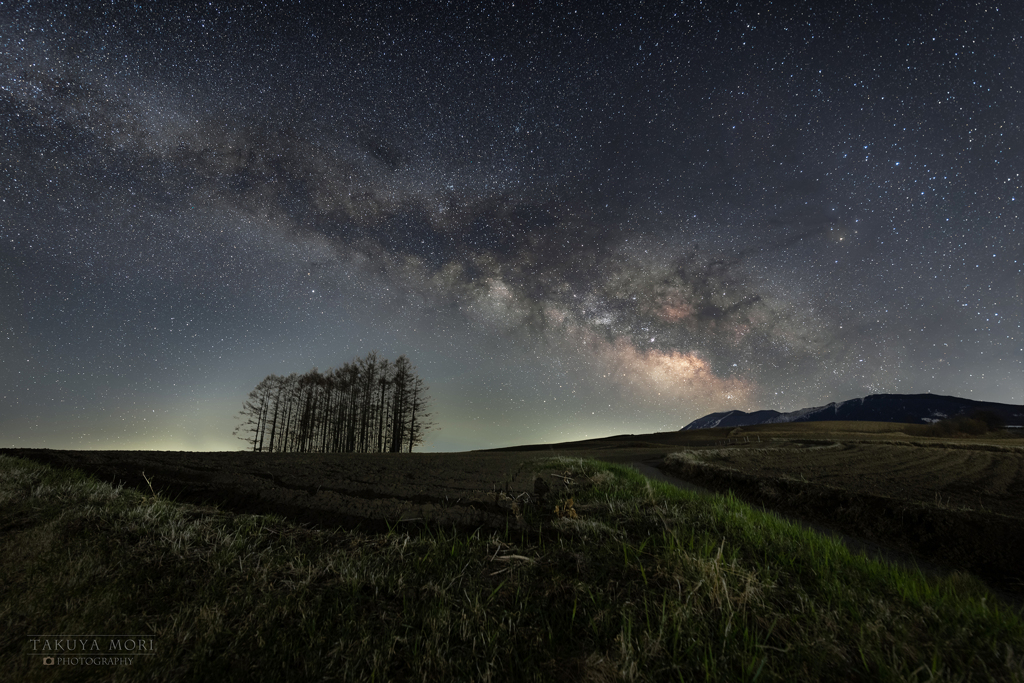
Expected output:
{"points": [[977, 476], [369, 491]]}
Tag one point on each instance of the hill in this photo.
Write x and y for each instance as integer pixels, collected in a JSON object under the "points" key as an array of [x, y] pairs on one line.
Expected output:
{"points": [[905, 408]]}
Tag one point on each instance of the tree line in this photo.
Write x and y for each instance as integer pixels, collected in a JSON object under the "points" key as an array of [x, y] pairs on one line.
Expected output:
{"points": [[368, 406]]}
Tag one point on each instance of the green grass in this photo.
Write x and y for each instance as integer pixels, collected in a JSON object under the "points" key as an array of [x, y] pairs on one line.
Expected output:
{"points": [[634, 581]]}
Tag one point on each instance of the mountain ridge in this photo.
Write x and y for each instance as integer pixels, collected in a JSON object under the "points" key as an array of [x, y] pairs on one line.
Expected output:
{"points": [[910, 408]]}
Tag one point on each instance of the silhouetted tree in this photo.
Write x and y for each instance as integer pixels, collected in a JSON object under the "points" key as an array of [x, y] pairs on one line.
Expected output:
{"points": [[254, 414], [370, 405], [419, 418]]}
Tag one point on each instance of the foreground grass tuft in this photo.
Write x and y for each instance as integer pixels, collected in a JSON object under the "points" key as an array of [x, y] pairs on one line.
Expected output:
{"points": [[640, 582]]}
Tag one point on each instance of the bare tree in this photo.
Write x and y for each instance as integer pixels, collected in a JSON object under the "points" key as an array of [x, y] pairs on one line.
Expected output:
{"points": [[369, 405], [254, 415], [419, 418]]}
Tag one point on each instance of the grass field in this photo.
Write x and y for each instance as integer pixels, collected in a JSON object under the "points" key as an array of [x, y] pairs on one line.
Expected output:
{"points": [[616, 578]]}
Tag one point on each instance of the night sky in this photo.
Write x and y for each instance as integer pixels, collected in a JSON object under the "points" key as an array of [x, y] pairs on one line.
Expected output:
{"points": [[574, 221]]}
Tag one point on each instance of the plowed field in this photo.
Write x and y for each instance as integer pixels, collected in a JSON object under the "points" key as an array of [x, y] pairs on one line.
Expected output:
{"points": [[984, 477], [373, 492]]}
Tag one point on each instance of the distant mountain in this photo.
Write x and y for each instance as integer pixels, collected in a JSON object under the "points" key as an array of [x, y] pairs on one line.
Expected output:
{"points": [[912, 408]]}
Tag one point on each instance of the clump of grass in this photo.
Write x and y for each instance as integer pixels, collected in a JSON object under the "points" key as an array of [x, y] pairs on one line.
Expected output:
{"points": [[646, 582]]}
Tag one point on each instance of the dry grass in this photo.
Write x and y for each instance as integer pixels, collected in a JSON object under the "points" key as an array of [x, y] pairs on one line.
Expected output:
{"points": [[644, 582]]}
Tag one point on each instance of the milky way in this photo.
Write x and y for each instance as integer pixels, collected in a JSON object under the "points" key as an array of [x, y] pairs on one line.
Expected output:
{"points": [[574, 220]]}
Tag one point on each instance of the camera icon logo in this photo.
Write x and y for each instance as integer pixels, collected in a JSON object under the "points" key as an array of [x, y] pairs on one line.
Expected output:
{"points": [[47, 661]]}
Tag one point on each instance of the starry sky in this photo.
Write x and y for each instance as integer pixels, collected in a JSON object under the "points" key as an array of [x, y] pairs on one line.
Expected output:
{"points": [[575, 220]]}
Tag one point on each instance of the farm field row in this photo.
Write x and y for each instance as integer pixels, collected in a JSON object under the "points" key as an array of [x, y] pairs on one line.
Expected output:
{"points": [[979, 476]]}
